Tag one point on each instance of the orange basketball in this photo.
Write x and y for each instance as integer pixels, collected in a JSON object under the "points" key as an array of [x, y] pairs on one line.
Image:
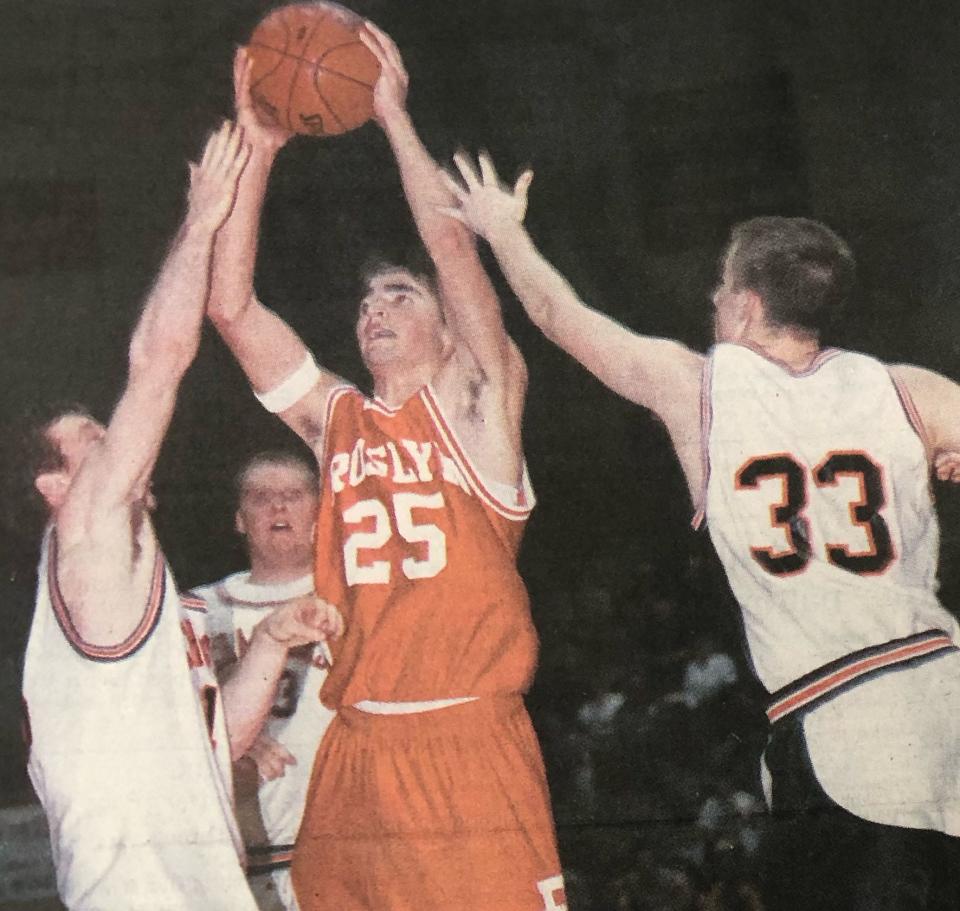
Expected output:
{"points": [[309, 71]]}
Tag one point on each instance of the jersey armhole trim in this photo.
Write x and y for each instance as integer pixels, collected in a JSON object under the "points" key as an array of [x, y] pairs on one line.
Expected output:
{"points": [[512, 511], [134, 641], [706, 422], [913, 416]]}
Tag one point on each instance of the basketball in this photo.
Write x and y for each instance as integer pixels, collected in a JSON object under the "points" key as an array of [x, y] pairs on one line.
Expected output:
{"points": [[309, 71]]}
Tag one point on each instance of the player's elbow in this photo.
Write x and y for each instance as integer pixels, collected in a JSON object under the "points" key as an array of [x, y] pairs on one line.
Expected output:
{"points": [[449, 242], [165, 360]]}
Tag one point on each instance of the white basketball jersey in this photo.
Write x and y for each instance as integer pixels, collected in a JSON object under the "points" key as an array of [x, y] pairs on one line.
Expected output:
{"points": [[298, 718], [819, 505], [130, 758]]}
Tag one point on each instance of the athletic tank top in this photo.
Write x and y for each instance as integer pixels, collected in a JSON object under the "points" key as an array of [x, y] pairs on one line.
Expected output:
{"points": [[130, 758], [818, 502], [419, 553]]}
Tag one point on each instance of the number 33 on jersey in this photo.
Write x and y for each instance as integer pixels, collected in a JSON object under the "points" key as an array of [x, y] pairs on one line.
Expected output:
{"points": [[824, 466], [819, 505]]}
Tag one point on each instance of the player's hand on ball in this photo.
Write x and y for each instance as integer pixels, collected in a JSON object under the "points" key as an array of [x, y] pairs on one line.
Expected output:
{"points": [[485, 204], [947, 466], [270, 757], [214, 181], [304, 621], [266, 136], [390, 91]]}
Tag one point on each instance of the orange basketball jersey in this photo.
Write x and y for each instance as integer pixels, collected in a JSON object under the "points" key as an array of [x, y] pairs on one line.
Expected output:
{"points": [[419, 553]]}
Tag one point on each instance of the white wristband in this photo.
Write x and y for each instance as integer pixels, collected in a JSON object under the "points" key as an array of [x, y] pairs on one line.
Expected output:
{"points": [[287, 393]]}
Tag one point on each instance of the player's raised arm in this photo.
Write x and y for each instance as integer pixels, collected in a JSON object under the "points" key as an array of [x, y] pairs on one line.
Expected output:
{"points": [[163, 346], [659, 374], [277, 363], [470, 303]]}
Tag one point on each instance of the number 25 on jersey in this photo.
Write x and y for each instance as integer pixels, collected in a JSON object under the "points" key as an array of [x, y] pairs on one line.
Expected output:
{"points": [[788, 514], [427, 557]]}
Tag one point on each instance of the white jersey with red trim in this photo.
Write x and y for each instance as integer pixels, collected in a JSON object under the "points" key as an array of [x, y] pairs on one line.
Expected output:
{"points": [[297, 720], [130, 758], [819, 504]]}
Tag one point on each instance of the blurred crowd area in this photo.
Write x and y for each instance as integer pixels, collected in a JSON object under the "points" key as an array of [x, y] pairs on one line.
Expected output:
{"points": [[652, 728]]}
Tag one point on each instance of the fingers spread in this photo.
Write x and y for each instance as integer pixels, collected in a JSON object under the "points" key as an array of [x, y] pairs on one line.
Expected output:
{"points": [[453, 186], [523, 183], [487, 171], [466, 169]]}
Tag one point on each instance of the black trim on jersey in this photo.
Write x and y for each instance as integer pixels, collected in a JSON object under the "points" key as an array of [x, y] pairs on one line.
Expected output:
{"points": [[267, 865], [908, 651], [138, 637]]}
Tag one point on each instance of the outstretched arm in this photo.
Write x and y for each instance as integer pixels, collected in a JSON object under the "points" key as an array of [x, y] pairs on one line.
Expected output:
{"points": [[658, 374], [268, 350], [470, 303], [163, 346], [249, 693]]}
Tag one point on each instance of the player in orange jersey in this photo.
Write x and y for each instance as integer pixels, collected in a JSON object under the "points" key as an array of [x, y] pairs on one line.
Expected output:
{"points": [[428, 791]]}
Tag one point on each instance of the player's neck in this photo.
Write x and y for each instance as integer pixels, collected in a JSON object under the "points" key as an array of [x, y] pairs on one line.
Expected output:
{"points": [[395, 384], [796, 350], [274, 572]]}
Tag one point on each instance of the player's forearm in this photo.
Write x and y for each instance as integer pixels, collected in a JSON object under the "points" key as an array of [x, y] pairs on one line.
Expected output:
{"points": [[249, 693], [235, 252], [547, 297], [640, 368], [425, 191], [167, 336]]}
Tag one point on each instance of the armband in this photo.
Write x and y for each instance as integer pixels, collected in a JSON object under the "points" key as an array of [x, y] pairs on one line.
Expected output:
{"points": [[287, 393]]}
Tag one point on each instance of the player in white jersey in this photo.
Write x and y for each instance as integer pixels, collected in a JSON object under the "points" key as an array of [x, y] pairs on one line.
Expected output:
{"points": [[276, 513], [812, 468], [130, 741]]}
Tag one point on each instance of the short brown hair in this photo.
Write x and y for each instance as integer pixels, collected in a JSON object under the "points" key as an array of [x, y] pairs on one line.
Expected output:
{"points": [[803, 271], [274, 457]]}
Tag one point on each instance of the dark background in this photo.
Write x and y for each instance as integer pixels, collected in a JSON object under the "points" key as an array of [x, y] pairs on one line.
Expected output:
{"points": [[652, 127]]}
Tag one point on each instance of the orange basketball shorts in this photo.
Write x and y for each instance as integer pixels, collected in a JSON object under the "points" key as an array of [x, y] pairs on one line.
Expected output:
{"points": [[444, 810]]}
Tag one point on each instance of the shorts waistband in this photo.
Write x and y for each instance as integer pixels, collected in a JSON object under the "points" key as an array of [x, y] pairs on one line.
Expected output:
{"points": [[372, 707], [475, 715], [853, 669]]}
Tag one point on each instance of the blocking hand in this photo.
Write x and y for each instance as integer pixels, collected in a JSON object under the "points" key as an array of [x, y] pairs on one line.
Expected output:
{"points": [[485, 204], [214, 181]]}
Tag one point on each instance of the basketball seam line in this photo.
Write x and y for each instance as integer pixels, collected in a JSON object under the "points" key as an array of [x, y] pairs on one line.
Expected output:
{"points": [[312, 63]]}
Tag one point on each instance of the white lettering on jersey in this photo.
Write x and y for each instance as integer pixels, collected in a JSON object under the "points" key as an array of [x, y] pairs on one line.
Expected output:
{"points": [[554, 895], [421, 455], [401, 475], [408, 463], [377, 572]]}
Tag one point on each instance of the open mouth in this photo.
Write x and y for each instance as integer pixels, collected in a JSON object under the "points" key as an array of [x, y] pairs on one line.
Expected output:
{"points": [[376, 334], [281, 526]]}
